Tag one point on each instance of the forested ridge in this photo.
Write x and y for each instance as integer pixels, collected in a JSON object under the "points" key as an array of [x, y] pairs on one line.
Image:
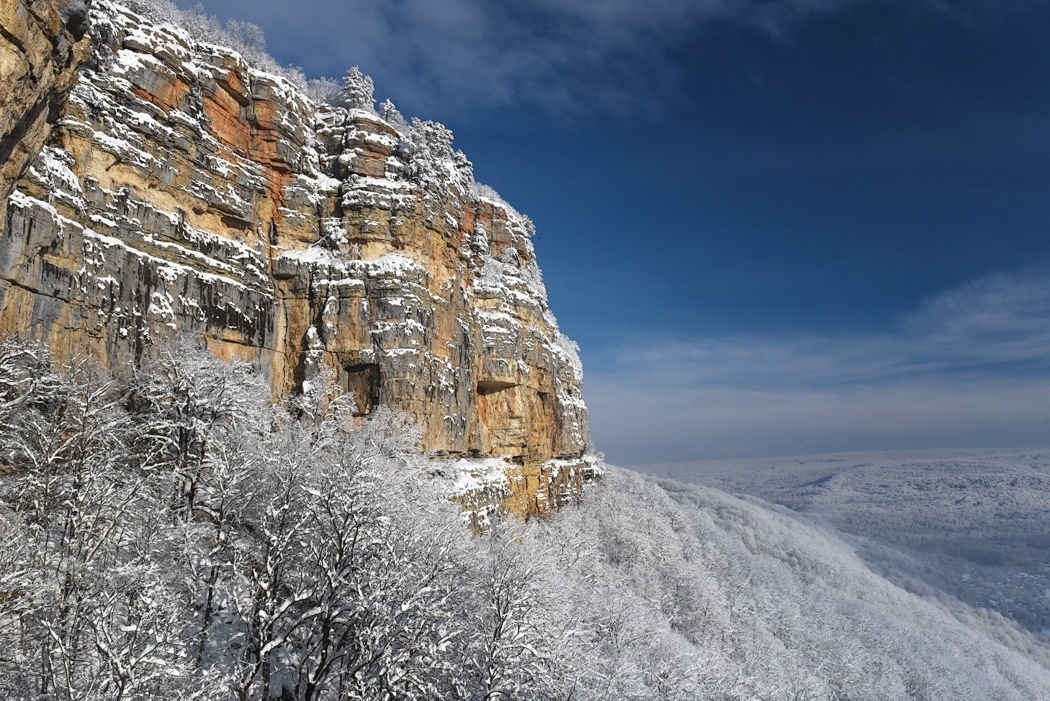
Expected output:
{"points": [[174, 535]]}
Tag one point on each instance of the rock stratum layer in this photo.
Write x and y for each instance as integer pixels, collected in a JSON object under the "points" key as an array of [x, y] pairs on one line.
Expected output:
{"points": [[42, 44], [182, 191]]}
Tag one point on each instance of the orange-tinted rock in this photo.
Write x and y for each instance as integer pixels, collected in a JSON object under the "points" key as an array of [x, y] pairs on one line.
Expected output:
{"points": [[42, 44], [184, 192]]}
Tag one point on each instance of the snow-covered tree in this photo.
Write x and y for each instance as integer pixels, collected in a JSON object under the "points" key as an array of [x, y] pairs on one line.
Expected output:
{"points": [[184, 400], [357, 91], [392, 116], [512, 655], [95, 615], [431, 161], [245, 37], [323, 90]]}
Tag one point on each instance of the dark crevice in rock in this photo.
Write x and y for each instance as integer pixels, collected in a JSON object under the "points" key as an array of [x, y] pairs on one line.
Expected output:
{"points": [[17, 137], [12, 38], [75, 17]]}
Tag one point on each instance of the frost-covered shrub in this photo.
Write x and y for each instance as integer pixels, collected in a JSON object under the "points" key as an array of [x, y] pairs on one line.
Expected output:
{"points": [[427, 144], [431, 161], [483, 191], [392, 116], [160, 10], [323, 90], [357, 91]]}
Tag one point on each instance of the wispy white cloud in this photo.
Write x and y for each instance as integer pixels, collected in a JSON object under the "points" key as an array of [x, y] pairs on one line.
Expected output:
{"points": [[557, 53], [561, 54], [971, 366]]}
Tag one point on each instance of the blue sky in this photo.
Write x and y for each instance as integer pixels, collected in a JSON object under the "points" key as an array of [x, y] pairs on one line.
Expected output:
{"points": [[773, 226]]}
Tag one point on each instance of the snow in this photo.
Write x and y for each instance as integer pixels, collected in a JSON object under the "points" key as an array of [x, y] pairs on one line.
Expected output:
{"points": [[962, 522], [389, 265], [160, 307], [314, 255], [470, 476], [489, 195], [393, 264], [23, 201], [103, 220], [397, 352], [569, 354], [129, 60], [407, 325], [125, 151], [167, 269]]}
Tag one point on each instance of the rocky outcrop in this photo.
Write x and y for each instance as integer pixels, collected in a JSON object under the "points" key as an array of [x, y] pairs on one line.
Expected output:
{"points": [[183, 191], [42, 44]]}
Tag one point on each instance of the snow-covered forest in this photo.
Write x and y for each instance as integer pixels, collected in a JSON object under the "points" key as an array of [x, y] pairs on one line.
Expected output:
{"points": [[174, 535], [967, 523]]}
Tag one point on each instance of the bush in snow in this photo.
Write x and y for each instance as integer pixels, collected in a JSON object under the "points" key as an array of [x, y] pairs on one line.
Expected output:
{"points": [[392, 116], [323, 90], [431, 161], [357, 90]]}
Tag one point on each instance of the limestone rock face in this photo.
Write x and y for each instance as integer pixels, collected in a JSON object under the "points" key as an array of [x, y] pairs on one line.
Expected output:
{"points": [[42, 44], [183, 191]]}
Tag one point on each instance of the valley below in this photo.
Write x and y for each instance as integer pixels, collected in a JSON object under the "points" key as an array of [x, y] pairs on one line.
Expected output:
{"points": [[969, 524]]}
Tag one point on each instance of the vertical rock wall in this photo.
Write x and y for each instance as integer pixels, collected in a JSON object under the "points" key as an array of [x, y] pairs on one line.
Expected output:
{"points": [[42, 44], [183, 191]]}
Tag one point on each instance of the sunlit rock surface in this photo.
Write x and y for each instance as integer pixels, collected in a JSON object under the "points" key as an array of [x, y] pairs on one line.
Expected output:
{"points": [[42, 43], [183, 191]]}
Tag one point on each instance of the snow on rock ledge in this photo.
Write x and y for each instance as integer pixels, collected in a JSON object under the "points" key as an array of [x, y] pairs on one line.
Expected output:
{"points": [[489, 487]]}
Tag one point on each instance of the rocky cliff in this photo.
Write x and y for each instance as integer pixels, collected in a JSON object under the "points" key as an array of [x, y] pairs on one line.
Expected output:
{"points": [[183, 191], [42, 44]]}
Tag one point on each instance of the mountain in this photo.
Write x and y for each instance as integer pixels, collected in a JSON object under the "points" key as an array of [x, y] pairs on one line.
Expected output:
{"points": [[168, 532], [177, 536], [159, 185]]}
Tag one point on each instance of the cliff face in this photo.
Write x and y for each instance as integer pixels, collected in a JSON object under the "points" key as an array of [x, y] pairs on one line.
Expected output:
{"points": [[42, 43], [183, 191]]}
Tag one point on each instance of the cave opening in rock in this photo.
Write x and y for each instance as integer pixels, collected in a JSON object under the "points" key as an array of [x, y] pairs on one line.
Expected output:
{"points": [[363, 380], [487, 387]]}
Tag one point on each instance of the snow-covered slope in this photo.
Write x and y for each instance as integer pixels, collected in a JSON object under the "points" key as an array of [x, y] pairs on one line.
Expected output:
{"points": [[176, 537], [974, 524], [698, 594]]}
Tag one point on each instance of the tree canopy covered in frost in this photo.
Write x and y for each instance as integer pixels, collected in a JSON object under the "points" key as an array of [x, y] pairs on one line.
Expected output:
{"points": [[392, 115], [176, 536], [430, 159], [357, 91], [703, 595]]}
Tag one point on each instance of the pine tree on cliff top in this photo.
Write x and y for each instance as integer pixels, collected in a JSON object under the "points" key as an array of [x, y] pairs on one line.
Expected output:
{"points": [[357, 90]]}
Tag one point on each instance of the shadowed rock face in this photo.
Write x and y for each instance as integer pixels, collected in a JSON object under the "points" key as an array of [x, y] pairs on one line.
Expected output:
{"points": [[183, 191], [42, 44]]}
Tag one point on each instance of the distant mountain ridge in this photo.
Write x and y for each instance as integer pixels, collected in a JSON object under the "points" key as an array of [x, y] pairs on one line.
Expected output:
{"points": [[181, 190]]}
